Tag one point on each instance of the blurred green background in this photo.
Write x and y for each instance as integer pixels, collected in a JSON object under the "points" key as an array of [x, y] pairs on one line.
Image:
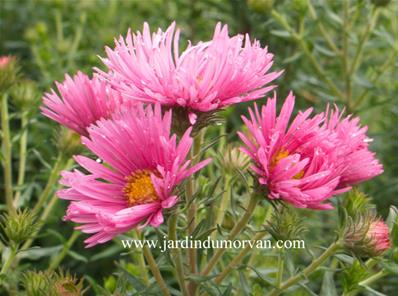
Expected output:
{"points": [[338, 52]]}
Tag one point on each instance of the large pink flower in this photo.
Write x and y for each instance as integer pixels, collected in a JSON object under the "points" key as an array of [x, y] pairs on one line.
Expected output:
{"points": [[204, 77], [144, 165], [308, 161], [81, 102]]}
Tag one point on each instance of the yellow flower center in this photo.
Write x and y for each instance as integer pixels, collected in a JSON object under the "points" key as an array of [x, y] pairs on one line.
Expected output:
{"points": [[278, 156], [139, 188]]}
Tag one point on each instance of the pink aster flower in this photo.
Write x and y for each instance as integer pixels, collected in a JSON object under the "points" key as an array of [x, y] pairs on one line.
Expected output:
{"points": [[354, 149], [81, 102], [144, 165], [204, 77]]}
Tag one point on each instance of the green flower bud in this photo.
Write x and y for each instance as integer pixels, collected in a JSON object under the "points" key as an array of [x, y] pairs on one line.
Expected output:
{"points": [[19, 226], [357, 203], [300, 7], [381, 3], [51, 283], [24, 94], [68, 142], [233, 160], [261, 6], [285, 224]]}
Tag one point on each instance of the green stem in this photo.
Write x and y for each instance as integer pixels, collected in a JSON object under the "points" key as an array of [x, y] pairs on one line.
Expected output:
{"points": [[9, 261], [379, 72], [223, 202], [177, 255], [345, 56], [308, 270], [234, 232], [192, 210], [155, 270], [281, 265], [304, 47], [322, 29], [364, 39], [22, 156], [53, 178], [44, 215], [238, 258], [7, 153], [57, 260], [141, 259]]}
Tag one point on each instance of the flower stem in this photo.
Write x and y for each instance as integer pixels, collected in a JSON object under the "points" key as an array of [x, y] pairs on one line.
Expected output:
{"points": [[364, 39], [141, 260], [281, 265], [155, 270], [57, 260], [191, 214], [308, 270], [22, 156], [238, 258], [322, 29], [307, 52], [223, 203], [177, 255], [345, 55], [7, 153], [234, 232], [53, 178], [44, 215]]}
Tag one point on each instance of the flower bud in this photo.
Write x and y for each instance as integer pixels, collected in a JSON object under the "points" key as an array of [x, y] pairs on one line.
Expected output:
{"points": [[67, 285], [19, 226], [367, 236], [51, 283], [357, 203], [261, 6], [24, 94], [233, 160], [8, 72], [381, 3], [300, 7], [68, 142], [285, 224]]}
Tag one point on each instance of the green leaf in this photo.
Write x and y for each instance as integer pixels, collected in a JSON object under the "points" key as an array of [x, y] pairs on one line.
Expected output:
{"points": [[324, 50], [134, 281], [390, 266], [77, 256], [328, 285], [37, 252], [200, 278], [281, 33], [345, 258], [374, 292], [244, 284], [228, 291], [108, 252]]}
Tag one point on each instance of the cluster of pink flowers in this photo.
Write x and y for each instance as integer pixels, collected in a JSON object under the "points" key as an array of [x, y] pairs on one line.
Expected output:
{"points": [[124, 115]]}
